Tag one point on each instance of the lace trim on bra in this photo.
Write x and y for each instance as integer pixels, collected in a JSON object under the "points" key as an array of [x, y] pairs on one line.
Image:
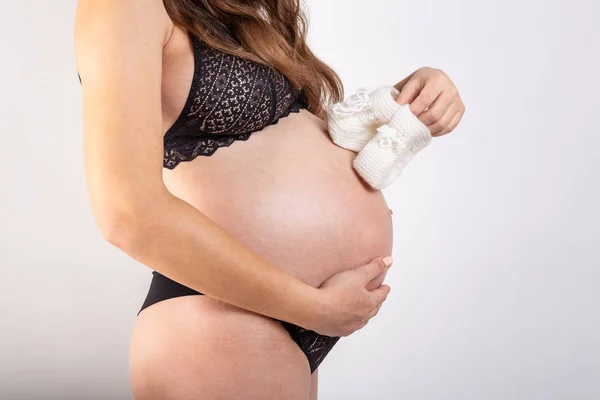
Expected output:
{"points": [[228, 94], [186, 148]]}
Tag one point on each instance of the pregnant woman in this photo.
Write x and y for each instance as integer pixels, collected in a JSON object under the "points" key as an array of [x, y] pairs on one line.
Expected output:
{"points": [[208, 159]]}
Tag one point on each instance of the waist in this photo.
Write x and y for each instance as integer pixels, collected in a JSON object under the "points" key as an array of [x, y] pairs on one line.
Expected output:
{"points": [[291, 195]]}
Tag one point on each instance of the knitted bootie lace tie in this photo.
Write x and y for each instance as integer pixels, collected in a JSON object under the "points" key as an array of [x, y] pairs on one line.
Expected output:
{"points": [[352, 123], [383, 158], [353, 103], [390, 138]]}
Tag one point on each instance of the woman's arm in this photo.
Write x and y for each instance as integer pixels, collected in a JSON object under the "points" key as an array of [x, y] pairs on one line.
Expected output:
{"points": [[118, 48]]}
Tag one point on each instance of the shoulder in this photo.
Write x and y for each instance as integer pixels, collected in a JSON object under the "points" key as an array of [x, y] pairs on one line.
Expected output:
{"points": [[121, 19]]}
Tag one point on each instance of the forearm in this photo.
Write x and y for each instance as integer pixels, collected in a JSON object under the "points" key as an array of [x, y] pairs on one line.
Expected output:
{"points": [[180, 242]]}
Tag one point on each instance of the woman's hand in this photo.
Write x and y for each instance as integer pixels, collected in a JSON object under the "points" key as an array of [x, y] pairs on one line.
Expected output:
{"points": [[345, 303], [433, 98]]}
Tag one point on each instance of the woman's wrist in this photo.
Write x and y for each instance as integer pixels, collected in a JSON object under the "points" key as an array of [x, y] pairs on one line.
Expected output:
{"points": [[302, 305]]}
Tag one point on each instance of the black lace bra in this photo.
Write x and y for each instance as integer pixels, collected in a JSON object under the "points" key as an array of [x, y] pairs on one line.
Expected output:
{"points": [[230, 97]]}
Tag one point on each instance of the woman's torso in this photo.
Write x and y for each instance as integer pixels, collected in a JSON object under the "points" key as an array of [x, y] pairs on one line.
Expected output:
{"points": [[288, 192]]}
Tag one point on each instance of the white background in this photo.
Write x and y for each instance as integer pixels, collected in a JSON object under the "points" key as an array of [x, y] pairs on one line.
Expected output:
{"points": [[495, 284]]}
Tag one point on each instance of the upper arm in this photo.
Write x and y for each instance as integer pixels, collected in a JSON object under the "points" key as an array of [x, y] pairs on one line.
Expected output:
{"points": [[118, 48]]}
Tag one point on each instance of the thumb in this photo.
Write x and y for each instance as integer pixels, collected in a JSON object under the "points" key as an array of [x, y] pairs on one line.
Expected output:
{"points": [[376, 267], [409, 91]]}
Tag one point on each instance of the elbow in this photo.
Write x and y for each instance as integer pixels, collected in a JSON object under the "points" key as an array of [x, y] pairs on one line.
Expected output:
{"points": [[128, 222], [118, 230], [123, 230]]}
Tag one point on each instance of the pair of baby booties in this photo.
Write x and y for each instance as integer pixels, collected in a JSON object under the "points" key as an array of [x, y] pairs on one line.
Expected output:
{"points": [[384, 134]]}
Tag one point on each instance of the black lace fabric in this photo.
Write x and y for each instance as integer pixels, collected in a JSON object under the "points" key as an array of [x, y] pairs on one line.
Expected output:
{"points": [[314, 345], [230, 98]]}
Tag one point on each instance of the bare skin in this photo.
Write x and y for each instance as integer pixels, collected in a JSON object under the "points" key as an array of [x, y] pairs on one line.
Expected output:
{"points": [[282, 218], [311, 216], [227, 343]]}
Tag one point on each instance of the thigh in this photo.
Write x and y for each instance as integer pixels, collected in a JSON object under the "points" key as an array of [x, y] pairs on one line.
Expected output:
{"points": [[314, 385], [194, 347]]}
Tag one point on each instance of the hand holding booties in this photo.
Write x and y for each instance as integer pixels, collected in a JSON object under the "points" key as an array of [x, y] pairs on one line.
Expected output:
{"points": [[385, 134]]}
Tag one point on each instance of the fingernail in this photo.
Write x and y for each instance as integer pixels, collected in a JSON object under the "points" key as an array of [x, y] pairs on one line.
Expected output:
{"points": [[387, 261]]}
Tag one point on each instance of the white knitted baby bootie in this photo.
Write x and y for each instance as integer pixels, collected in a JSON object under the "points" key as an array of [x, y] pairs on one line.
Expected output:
{"points": [[384, 157], [353, 122]]}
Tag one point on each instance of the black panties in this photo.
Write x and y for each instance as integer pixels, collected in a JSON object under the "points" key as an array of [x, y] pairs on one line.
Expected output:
{"points": [[314, 345]]}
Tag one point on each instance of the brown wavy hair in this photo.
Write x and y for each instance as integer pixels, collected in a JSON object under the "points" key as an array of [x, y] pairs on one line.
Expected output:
{"points": [[271, 32]]}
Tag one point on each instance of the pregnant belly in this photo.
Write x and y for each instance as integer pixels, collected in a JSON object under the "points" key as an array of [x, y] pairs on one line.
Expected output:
{"points": [[290, 195]]}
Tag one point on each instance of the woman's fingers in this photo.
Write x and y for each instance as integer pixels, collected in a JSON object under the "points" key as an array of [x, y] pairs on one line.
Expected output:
{"points": [[434, 99], [439, 120], [432, 89], [439, 107], [410, 90], [379, 295], [453, 124], [373, 269], [375, 310]]}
